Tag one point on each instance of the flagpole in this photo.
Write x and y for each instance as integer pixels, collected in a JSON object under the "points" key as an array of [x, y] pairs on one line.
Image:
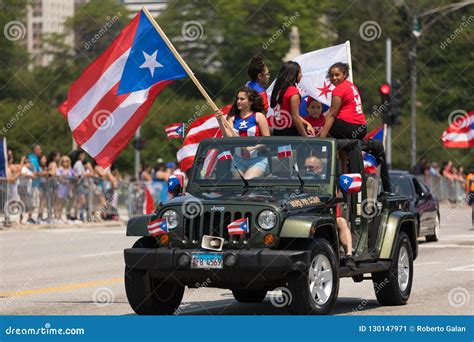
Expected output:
{"points": [[349, 59], [384, 139], [185, 67]]}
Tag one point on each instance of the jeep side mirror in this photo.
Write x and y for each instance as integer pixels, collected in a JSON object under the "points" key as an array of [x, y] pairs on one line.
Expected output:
{"points": [[350, 182]]}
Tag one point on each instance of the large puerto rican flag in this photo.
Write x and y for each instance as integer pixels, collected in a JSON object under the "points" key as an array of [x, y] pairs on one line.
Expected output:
{"points": [[314, 66], [107, 103], [460, 133], [202, 128]]}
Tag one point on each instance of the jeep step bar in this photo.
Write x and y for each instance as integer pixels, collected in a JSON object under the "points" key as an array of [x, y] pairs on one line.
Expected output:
{"points": [[364, 267]]}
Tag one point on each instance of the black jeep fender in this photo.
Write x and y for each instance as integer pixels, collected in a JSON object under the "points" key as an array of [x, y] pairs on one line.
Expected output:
{"points": [[137, 226]]}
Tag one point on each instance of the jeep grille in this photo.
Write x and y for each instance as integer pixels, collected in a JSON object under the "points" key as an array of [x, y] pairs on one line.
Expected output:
{"points": [[212, 223]]}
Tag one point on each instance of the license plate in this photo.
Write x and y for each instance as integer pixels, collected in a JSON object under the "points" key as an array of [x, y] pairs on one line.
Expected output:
{"points": [[206, 260]]}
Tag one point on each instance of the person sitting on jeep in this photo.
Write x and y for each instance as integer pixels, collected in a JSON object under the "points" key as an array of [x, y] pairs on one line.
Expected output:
{"points": [[246, 119]]}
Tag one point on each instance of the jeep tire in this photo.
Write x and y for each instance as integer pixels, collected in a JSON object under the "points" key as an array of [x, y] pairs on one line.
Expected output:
{"points": [[147, 295], [393, 286], [249, 296], [314, 291]]}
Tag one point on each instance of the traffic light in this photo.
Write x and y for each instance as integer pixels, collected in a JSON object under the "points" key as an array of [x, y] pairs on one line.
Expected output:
{"points": [[385, 90]]}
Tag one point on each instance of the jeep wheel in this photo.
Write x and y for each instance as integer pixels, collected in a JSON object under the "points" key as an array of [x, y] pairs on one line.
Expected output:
{"points": [[393, 286], [149, 296], [249, 296], [314, 291], [435, 236]]}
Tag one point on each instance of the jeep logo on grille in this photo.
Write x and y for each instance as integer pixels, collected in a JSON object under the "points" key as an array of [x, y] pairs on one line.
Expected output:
{"points": [[216, 208]]}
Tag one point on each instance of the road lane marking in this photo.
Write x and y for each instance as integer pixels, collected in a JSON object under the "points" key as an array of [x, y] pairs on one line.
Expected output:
{"points": [[466, 268], [445, 246], [100, 254], [428, 263], [60, 288]]}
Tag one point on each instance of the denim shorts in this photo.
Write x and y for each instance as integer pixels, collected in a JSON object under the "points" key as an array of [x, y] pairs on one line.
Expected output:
{"points": [[244, 164]]}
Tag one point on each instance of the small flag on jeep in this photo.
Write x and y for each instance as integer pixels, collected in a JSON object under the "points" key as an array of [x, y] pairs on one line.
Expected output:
{"points": [[175, 130], [285, 151], [157, 227], [239, 227], [224, 155]]}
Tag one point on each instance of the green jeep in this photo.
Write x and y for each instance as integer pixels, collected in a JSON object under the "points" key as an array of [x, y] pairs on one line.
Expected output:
{"points": [[289, 238]]}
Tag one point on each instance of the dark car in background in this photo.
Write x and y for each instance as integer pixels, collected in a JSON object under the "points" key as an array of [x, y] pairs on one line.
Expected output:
{"points": [[423, 203]]}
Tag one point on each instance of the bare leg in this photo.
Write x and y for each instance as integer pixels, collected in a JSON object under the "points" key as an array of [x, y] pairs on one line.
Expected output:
{"points": [[345, 236], [253, 172]]}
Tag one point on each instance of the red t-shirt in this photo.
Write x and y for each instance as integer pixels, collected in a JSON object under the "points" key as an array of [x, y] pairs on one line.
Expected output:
{"points": [[351, 106], [283, 111], [317, 123]]}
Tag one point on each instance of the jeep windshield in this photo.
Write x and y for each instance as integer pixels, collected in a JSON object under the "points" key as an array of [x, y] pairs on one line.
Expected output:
{"points": [[264, 161]]}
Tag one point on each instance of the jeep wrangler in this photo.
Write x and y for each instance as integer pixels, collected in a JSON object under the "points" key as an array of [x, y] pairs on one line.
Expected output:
{"points": [[289, 237]]}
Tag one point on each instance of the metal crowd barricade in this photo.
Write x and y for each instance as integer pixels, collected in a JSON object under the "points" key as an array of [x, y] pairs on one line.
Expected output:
{"points": [[137, 195], [57, 200], [444, 189]]}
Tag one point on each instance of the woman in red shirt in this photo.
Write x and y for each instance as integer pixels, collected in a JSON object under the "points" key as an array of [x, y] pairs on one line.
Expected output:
{"points": [[285, 101], [345, 118]]}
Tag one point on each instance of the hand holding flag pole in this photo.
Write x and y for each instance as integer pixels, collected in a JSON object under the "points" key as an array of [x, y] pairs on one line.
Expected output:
{"points": [[188, 70]]}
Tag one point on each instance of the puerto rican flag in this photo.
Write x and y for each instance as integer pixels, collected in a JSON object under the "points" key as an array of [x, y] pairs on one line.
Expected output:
{"points": [[239, 227], [202, 128], [157, 227], [460, 133], [175, 130], [370, 162], [225, 155], [149, 202], [107, 103], [285, 151], [351, 182]]}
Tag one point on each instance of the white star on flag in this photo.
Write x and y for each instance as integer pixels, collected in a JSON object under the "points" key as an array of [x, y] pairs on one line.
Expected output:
{"points": [[345, 181], [150, 62]]}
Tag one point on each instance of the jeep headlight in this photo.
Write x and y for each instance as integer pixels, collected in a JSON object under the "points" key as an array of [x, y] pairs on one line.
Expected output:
{"points": [[172, 218], [267, 219]]}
